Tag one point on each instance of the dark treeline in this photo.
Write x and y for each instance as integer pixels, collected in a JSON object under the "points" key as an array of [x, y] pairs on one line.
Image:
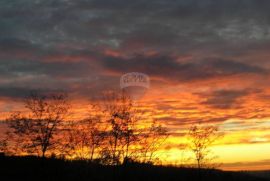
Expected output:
{"points": [[51, 169]]}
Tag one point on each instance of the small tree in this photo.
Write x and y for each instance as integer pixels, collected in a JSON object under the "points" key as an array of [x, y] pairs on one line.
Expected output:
{"points": [[84, 138], [121, 120], [125, 133], [151, 141], [201, 138], [37, 131], [75, 141], [3, 145]]}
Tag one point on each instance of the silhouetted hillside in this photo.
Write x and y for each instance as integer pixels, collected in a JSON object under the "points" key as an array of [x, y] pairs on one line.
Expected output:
{"points": [[33, 168], [261, 174]]}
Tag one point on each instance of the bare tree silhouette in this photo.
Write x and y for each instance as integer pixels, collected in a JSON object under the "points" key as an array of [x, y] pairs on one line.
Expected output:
{"points": [[3, 145], [115, 131], [83, 139], [127, 139], [37, 131], [201, 137], [122, 121], [151, 141]]}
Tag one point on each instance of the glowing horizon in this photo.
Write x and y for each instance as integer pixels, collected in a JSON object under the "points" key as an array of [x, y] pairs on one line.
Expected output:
{"points": [[208, 62], [238, 140]]}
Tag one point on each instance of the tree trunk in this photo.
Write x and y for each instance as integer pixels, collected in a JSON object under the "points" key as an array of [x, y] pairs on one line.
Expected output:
{"points": [[92, 153]]}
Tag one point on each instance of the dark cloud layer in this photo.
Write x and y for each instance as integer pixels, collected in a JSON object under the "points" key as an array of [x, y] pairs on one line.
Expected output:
{"points": [[223, 99], [167, 67], [65, 42]]}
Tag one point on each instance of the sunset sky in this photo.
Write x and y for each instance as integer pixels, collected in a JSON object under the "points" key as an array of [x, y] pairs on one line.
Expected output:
{"points": [[208, 61]]}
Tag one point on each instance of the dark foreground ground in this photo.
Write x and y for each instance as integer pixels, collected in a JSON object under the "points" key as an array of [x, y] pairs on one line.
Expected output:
{"points": [[36, 169]]}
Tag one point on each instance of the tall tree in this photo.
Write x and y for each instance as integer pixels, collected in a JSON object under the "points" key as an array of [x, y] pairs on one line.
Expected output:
{"points": [[129, 137], [118, 108], [38, 130], [123, 119]]}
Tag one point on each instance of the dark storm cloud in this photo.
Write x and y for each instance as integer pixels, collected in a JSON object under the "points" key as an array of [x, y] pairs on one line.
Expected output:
{"points": [[164, 66], [178, 24], [22, 57], [66, 39], [13, 44], [111, 22], [224, 99], [19, 92], [51, 69]]}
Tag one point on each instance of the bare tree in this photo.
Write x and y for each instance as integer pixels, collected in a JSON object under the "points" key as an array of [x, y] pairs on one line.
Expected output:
{"points": [[123, 119], [118, 109], [129, 136], [151, 141], [74, 143], [201, 138], [37, 131], [96, 132], [3, 145], [84, 138], [114, 132]]}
